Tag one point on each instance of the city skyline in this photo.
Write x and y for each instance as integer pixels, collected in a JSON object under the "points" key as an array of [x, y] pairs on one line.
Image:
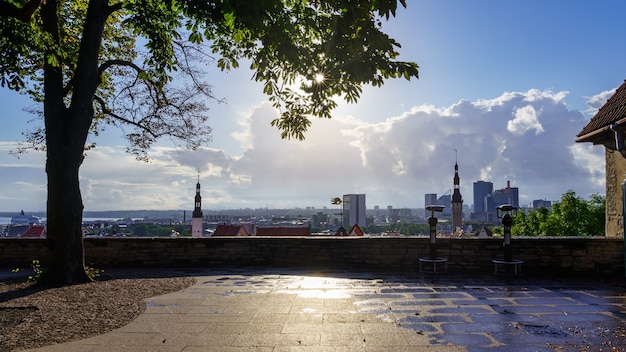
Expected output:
{"points": [[507, 85]]}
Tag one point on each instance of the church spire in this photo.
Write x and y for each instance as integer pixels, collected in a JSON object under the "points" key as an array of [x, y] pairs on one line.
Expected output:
{"points": [[197, 227], [457, 199], [456, 195], [197, 210]]}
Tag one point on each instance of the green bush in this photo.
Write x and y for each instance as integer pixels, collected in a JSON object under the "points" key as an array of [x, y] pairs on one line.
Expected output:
{"points": [[572, 216]]}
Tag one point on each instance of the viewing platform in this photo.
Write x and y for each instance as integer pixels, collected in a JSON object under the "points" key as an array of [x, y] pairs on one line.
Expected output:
{"points": [[278, 309]]}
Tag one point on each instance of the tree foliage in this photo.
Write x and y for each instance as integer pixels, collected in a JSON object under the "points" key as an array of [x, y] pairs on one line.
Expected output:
{"points": [[571, 216], [138, 64], [121, 89], [306, 54], [406, 229]]}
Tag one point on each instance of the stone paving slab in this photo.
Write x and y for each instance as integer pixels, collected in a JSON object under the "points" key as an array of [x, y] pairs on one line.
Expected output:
{"points": [[317, 311]]}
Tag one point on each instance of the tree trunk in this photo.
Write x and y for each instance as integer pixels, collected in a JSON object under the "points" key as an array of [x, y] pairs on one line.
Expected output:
{"points": [[65, 207], [65, 262], [66, 134]]}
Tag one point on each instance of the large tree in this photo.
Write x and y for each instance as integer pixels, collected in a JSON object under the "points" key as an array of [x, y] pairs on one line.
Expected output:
{"points": [[571, 216], [138, 64]]}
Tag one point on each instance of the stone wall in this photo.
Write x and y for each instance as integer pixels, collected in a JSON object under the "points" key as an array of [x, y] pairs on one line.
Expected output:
{"points": [[541, 255]]}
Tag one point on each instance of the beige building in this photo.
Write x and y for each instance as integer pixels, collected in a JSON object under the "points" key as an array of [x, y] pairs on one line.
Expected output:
{"points": [[608, 128]]}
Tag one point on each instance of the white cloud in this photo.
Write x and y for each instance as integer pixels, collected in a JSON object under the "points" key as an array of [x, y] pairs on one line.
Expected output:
{"points": [[395, 161], [399, 159], [594, 103], [526, 119], [590, 158], [23, 179], [537, 95]]}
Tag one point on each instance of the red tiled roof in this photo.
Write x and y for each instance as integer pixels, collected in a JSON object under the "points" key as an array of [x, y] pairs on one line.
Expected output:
{"points": [[356, 230], [35, 231], [341, 232], [612, 112], [283, 231], [229, 230]]}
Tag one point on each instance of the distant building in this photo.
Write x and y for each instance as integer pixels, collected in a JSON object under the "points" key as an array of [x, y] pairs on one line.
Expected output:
{"points": [[378, 213], [486, 200], [35, 231], [485, 232], [14, 230], [540, 203], [196, 218], [282, 231], [400, 214], [319, 220], [249, 229], [354, 210], [446, 201], [228, 230], [356, 230], [481, 190], [220, 218], [429, 199], [508, 195]]}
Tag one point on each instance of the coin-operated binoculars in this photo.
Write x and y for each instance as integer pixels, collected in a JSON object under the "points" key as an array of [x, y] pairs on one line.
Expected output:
{"points": [[432, 221], [507, 212], [433, 259]]}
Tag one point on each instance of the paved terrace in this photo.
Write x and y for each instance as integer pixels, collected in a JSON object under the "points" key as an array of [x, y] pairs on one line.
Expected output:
{"points": [[305, 310]]}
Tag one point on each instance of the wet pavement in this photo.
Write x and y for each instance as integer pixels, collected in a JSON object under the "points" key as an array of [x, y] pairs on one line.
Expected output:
{"points": [[306, 310]]}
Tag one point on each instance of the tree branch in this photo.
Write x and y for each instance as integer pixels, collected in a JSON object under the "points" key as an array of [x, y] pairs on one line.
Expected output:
{"points": [[106, 111], [115, 7], [106, 65], [8, 9], [109, 63]]}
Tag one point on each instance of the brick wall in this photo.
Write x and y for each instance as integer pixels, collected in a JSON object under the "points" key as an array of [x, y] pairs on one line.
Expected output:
{"points": [[541, 255]]}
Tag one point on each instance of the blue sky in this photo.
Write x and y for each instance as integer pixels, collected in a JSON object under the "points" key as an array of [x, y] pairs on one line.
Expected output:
{"points": [[507, 84]]}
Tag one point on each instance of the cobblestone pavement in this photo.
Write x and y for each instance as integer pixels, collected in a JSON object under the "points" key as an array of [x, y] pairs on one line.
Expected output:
{"points": [[305, 310]]}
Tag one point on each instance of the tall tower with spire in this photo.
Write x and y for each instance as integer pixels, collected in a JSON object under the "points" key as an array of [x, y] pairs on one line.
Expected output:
{"points": [[196, 218], [457, 200]]}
